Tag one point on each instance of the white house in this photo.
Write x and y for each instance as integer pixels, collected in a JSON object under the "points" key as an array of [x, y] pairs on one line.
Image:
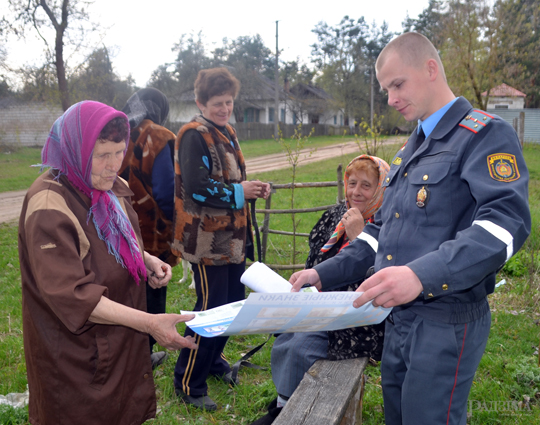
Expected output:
{"points": [[505, 97], [302, 103], [312, 105]]}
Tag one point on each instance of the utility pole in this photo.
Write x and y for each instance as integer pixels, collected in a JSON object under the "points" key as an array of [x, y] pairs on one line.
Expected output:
{"points": [[372, 71], [276, 77]]}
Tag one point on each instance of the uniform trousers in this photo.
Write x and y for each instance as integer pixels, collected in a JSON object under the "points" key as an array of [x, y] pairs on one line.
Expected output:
{"points": [[428, 367], [215, 286], [292, 356]]}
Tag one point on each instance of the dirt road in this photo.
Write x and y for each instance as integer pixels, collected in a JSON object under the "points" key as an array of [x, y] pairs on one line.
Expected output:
{"points": [[279, 161], [11, 202], [10, 205]]}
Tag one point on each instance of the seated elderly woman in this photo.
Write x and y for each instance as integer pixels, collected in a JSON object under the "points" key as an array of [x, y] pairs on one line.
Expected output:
{"points": [[83, 270], [294, 353]]}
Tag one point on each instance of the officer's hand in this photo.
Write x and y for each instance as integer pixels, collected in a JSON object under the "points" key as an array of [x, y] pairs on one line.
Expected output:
{"points": [[300, 278], [390, 287]]}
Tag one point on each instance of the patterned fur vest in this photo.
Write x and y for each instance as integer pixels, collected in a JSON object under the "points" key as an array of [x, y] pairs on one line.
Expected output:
{"points": [[146, 142], [205, 235]]}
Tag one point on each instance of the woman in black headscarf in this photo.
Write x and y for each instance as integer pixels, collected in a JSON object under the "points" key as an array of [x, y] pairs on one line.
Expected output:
{"points": [[148, 168]]}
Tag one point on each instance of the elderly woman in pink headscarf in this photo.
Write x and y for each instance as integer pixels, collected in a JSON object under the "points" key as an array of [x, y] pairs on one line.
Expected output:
{"points": [[83, 269]]}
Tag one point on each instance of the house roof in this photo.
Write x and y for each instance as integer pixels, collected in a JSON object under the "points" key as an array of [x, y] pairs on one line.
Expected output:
{"points": [[307, 90], [262, 89], [504, 90]]}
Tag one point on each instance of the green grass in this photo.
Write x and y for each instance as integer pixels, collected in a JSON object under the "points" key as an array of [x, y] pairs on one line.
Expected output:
{"points": [[508, 373], [15, 170], [255, 148]]}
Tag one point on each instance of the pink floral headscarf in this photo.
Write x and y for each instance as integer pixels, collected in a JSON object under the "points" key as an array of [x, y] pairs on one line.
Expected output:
{"points": [[69, 149]]}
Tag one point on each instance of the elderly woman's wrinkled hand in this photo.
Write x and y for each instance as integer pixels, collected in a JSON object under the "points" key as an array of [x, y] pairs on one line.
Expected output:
{"points": [[353, 222], [163, 328], [158, 272]]}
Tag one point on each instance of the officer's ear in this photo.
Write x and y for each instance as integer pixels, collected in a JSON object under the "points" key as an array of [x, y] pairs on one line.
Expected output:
{"points": [[432, 69]]}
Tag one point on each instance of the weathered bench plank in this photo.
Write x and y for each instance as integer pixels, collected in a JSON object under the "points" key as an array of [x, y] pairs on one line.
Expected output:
{"points": [[330, 394]]}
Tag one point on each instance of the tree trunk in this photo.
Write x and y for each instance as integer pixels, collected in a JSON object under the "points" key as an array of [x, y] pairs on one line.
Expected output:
{"points": [[60, 28], [61, 71]]}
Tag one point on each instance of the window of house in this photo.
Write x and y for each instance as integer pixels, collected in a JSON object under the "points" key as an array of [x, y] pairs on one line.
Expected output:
{"points": [[270, 114], [314, 119], [335, 119], [282, 114], [501, 106], [251, 115]]}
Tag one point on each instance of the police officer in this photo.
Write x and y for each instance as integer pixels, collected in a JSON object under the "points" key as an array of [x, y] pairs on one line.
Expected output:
{"points": [[455, 210]]}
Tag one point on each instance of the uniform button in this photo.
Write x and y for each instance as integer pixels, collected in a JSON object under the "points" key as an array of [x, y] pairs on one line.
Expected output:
{"points": [[445, 287], [145, 376], [405, 174], [430, 295], [387, 179], [388, 257], [425, 177], [476, 125], [397, 215]]}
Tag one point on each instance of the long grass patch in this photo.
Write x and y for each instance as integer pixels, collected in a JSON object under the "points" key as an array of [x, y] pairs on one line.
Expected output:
{"points": [[506, 389]]}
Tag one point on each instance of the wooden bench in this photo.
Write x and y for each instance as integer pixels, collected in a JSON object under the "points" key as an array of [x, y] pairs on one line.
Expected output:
{"points": [[330, 394]]}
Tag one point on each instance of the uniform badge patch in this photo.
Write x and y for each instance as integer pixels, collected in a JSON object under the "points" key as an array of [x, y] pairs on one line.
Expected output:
{"points": [[503, 167], [397, 161]]}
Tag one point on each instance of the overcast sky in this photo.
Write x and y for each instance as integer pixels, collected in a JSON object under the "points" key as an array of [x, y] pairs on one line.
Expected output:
{"points": [[141, 34]]}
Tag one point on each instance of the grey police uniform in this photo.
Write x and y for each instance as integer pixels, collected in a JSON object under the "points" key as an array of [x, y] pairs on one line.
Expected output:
{"points": [[454, 211]]}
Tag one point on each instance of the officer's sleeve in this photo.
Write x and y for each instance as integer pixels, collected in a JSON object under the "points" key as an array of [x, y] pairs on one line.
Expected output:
{"points": [[352, 262], [501, 216], [195, 164]]}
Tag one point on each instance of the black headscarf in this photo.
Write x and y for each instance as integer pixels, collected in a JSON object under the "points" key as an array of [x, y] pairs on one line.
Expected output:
{"points": [[149, 104]]}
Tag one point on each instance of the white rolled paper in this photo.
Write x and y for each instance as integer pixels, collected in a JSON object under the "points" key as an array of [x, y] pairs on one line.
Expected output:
{"points": [[261, 278]]}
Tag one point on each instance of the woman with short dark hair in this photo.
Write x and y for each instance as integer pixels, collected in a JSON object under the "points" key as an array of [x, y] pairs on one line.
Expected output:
{"points": [[212, 226]]}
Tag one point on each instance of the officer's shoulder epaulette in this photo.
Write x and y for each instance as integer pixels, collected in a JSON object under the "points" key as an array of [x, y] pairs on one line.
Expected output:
{"points": [[476, 120]]}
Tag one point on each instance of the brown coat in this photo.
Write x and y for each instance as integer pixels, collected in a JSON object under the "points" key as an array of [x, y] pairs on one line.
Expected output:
{"points": [[147, 141], [78, 372]]}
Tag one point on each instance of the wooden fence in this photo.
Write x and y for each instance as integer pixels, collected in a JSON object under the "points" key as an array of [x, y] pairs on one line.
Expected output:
{"points": [[268, 211], [257, 131]]}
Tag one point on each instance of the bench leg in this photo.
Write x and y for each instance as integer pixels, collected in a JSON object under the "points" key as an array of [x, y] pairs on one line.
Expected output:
{"points": [[353, 415]]}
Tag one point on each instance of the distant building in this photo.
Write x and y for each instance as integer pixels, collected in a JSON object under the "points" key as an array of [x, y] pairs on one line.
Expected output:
{"points": [[313, 105], [505, 97], [303, 103]]}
